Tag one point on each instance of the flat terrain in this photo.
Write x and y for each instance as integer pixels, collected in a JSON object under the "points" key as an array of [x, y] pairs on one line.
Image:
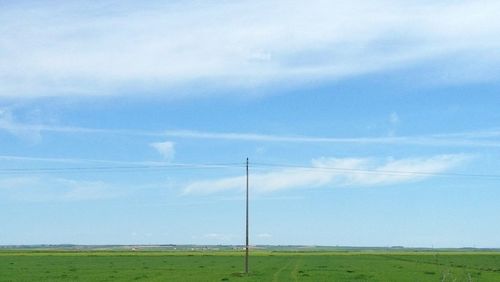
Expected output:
{"points": [[51, 265]]}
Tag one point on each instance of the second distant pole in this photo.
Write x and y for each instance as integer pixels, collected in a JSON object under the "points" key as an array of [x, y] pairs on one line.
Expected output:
{"points": [[246, 242]]}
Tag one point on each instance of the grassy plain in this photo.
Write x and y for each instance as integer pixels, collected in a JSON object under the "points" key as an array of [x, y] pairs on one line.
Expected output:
{"points": [[57, 265]]}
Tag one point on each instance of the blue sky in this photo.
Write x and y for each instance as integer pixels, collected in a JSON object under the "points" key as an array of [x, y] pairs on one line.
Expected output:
{"points": [[393, 96]]}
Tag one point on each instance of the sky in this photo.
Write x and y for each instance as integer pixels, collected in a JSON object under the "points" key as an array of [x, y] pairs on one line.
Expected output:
{"points": [[366, 123]]}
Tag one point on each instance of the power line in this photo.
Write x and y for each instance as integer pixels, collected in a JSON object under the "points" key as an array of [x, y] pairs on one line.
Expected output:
{"points": [[376, 171], [177, 166], [211, 166]]}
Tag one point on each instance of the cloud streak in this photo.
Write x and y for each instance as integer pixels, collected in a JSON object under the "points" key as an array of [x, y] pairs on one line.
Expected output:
{"points": [[455, 139], [79, 161], [481, 138], [55, 189], [346, 172], [101, 48]]}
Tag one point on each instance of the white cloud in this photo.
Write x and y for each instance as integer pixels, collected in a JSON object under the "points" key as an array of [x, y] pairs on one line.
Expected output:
{"points": [[481, 138], [101, 48], [76, 160], [264, 235], [166, 149], [334, 172], [50, 189], [478, 139], [395, 171]]}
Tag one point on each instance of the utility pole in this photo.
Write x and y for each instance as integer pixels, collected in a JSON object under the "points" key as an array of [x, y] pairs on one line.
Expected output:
{"points": [[246, 243]]}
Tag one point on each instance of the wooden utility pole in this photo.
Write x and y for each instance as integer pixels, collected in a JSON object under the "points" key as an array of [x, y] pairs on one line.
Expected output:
{"points": [[246, 242]]}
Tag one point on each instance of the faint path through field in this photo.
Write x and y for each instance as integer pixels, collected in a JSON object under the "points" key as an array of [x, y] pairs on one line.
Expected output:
{"points": [[295, 270], [276, 275], [293, 274]]}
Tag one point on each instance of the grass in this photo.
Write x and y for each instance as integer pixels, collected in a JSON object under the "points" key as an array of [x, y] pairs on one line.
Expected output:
{"points": [[265, 266]]}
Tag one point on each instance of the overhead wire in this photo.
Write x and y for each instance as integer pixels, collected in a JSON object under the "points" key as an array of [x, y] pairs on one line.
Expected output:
{"points": [[177, 166], [375, 171], [256, 165]]}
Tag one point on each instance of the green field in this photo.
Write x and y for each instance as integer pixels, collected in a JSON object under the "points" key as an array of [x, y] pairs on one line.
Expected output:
{"points": [[50, 265]]}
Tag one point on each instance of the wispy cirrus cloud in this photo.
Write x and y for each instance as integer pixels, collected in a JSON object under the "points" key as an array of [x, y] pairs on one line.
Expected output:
{"points": [[12, 158], [104, 48], [56, 189], [10, 123], [479, 138], [343, 172]]}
